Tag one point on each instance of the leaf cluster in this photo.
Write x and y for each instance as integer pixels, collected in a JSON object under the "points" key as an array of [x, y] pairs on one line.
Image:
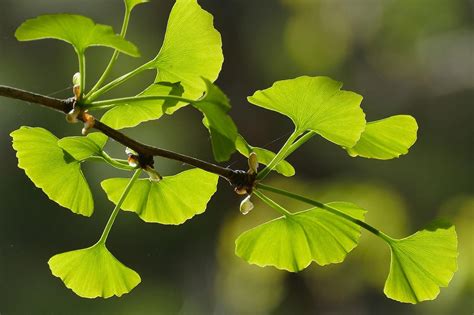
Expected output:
{"points": [[187, 64]]}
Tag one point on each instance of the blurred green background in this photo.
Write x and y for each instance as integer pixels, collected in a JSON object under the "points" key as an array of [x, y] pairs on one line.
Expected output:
{"points": [[407, 56]]}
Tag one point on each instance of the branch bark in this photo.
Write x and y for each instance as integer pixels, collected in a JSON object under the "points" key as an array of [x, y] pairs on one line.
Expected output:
{"points": [[237, 178]]}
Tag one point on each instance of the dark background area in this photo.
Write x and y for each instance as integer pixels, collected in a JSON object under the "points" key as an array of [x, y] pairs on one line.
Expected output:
{"points": [[410, 57]]}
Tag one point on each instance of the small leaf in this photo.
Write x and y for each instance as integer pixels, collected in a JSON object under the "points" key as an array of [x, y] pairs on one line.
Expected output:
{"points": [[81, 148], [317, 104], [172, 200], [130, 4], [79, 31], [293, 242], [215, 105], [386, 138], [131, 115], [192, 49], [93, 272], [52, 169], [264, 156], [422, 263]]}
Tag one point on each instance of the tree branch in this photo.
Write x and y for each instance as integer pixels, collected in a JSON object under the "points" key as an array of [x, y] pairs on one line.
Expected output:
{"points": [[63, 106], [236, 178]]}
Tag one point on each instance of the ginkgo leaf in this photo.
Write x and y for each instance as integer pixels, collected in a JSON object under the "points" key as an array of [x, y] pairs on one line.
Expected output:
{"points": [[131, 115], [317, 104], [264, 156], [130, 4], [52, 169], [93, 272], [172, 200], [293, 242], [422, 263], [386, 138], [81, 148], [79, 31], [192, 49], [215, 105]]}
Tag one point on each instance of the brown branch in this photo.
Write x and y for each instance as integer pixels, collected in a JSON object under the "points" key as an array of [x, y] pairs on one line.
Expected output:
{"points": [[53, 103], [237, 178]]}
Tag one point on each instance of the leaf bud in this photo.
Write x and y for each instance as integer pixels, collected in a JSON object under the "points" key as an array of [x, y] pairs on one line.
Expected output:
{"points": [[240, 190], [246, 205], [253, 163], [132, 157], [71, 117], [76, 89], [88, 123], [129, 152], [76, 79]]}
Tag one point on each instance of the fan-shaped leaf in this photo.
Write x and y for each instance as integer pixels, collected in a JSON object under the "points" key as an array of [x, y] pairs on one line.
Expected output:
{"points": [[264, 156], [293, 242], [81, 148], [79, 31], [131, 115], [386, 138], [52, 169], [192, 49], [317, 104], [215, 105], [422, 263], [93, 272], [172, 200]]}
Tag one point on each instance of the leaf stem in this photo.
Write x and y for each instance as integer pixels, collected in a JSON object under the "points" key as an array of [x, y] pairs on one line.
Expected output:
{"points": [[298, 143], [118, 81], [127, 100], [113, 59], [279, 156], [116, 210], [82, 70], [119, 164], [272, 203], [318, 204]]}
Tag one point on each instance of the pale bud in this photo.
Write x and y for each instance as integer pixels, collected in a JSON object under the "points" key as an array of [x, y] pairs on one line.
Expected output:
{"points": [[129, 151], [132, 157], [76, 78], [246, 205], [88, 124], [71, 117], [240, 190], [76, 89], [132, 161], [253, 163]]}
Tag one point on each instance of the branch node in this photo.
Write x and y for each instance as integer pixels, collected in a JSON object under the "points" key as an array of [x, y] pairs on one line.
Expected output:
{"points": [[243, 182]]}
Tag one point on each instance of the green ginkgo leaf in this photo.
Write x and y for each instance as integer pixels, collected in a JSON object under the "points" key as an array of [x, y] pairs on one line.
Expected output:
{"points": [[316, 104], [293, 242], [79, 31], [215, 105], [93, 272], [264, 156], [192, 49], [52, 169], [81, 148], [386, 138], [172, 200], [130, 4], [422, 263], [131, 115]]}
